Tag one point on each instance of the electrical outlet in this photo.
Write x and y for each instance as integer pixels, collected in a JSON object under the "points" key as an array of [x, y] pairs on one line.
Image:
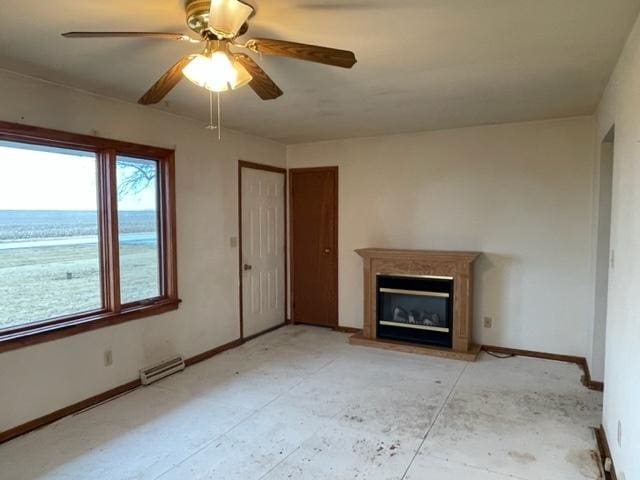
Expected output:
{"points": [[619, 434], [108, 358], [488, 322], [233, 241]]}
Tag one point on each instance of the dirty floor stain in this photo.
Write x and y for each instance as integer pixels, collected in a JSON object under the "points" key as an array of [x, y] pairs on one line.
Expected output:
{"points": [[521, 457]]}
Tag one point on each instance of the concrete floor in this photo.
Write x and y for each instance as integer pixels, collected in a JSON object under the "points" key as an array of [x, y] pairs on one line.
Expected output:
{"points": [[301, 403]]}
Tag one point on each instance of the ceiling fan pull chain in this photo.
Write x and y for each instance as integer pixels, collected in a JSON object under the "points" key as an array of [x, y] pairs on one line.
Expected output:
{"points": [[219, 119], [211, 126]]}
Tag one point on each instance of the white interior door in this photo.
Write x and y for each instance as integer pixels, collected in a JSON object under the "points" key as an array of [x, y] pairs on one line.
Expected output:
{"points": [[263, 250]]}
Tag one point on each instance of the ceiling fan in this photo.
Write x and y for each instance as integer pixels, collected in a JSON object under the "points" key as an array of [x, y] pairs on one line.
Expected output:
{"points": [[218, 24]]}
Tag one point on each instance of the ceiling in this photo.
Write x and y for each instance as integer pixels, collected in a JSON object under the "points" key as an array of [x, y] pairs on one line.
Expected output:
{"points": [[422, 64]]}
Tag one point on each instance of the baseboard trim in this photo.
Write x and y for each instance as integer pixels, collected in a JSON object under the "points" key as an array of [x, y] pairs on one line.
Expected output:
{"points": [[201, 357], [111, 394], [264, 332], [597, 386], [580, 361], [534, 354], [586, 378], [605, 452], [66, 411], [347, 329]]}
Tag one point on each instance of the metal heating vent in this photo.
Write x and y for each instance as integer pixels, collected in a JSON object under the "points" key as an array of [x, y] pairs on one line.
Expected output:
{"points": [[160, 370]]}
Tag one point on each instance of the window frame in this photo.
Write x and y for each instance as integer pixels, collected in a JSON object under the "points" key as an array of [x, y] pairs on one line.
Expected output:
{"points": [[113, 311]]}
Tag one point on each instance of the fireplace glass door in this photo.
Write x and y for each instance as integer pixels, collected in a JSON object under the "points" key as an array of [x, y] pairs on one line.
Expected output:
{"points": [[415, 309]]}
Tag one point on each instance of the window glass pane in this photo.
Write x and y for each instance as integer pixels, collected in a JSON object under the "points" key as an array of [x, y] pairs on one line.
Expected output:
{"points": [[138, 229], [49, 253]]}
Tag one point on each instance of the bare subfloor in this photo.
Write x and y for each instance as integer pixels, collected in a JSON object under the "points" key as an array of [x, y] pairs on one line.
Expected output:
{"points": [[301, 403]]}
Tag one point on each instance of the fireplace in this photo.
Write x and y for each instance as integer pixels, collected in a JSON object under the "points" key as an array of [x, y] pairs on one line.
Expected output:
{"points": [[418, 301], [415, 308]]}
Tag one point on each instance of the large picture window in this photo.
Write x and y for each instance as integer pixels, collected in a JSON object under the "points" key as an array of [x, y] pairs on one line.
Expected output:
{"points": [[87, 233]]}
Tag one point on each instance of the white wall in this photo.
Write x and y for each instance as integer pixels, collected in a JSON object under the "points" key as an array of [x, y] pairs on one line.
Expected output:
{"points": [[37, 380], [620, 106], [521, 193]]}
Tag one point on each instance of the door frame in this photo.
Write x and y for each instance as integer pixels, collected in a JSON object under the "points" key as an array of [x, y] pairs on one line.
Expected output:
{"points": [[267, 168], [292, 172]]}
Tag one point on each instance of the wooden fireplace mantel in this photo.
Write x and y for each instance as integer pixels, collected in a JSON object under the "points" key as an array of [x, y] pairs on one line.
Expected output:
{"points": [[454, 264]]}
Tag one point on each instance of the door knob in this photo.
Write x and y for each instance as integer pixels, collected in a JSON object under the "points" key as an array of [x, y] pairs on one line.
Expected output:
{"points": [[247, 267], [327, 251]]}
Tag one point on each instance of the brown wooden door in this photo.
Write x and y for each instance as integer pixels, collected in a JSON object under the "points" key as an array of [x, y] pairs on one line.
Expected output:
{"points": [[314, 245]]}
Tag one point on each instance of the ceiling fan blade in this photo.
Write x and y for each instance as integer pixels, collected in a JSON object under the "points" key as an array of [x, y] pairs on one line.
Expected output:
{"points": [[264, 87], [227, 17], [166, 83], [301, 51], [161, 35]]}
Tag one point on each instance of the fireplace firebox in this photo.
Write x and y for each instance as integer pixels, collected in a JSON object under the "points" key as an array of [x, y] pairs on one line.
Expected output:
{"points": [[415, 308]]}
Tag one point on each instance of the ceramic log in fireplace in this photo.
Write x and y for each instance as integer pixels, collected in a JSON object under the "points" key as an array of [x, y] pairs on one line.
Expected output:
{"points": [[418, 301]]}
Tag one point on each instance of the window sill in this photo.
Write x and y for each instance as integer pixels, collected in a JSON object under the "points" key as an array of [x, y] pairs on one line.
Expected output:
{"points": [[12, 340]]}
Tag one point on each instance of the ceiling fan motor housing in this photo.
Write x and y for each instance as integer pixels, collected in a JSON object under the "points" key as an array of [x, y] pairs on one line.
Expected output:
{"points": [[198, 15], [198, 12]]}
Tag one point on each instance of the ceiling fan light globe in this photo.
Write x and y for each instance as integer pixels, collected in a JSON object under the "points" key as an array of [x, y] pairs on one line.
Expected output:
{"points": [[210, 71], [227, 17], [216, 72], [242, 76]]}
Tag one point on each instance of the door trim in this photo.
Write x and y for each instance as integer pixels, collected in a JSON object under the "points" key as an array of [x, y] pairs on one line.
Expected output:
{"points": [[267, 168], [293, 171]]}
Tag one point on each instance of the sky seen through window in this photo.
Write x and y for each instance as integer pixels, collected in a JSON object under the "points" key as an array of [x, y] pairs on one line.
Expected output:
{"points": [[41, 167]]}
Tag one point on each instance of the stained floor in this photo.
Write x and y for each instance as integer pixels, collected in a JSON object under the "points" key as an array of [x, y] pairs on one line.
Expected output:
{"points": [[301, 403]]}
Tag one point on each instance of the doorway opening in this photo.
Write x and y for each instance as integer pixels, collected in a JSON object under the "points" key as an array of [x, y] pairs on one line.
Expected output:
{"points": [[604, 254]]}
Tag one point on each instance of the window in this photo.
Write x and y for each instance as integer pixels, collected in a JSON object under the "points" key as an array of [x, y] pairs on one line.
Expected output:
{"points": [[87, 233], [138, 229], [49, 253]]}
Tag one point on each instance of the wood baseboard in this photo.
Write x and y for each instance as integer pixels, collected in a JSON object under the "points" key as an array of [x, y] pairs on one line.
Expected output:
{"points": [[109, 394], [530, 353], [470, 356], [347, 329], [264, 332], [586, 378], [605, 452], [592, 385], [580, 361], [213, 352], [63, 412]]}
